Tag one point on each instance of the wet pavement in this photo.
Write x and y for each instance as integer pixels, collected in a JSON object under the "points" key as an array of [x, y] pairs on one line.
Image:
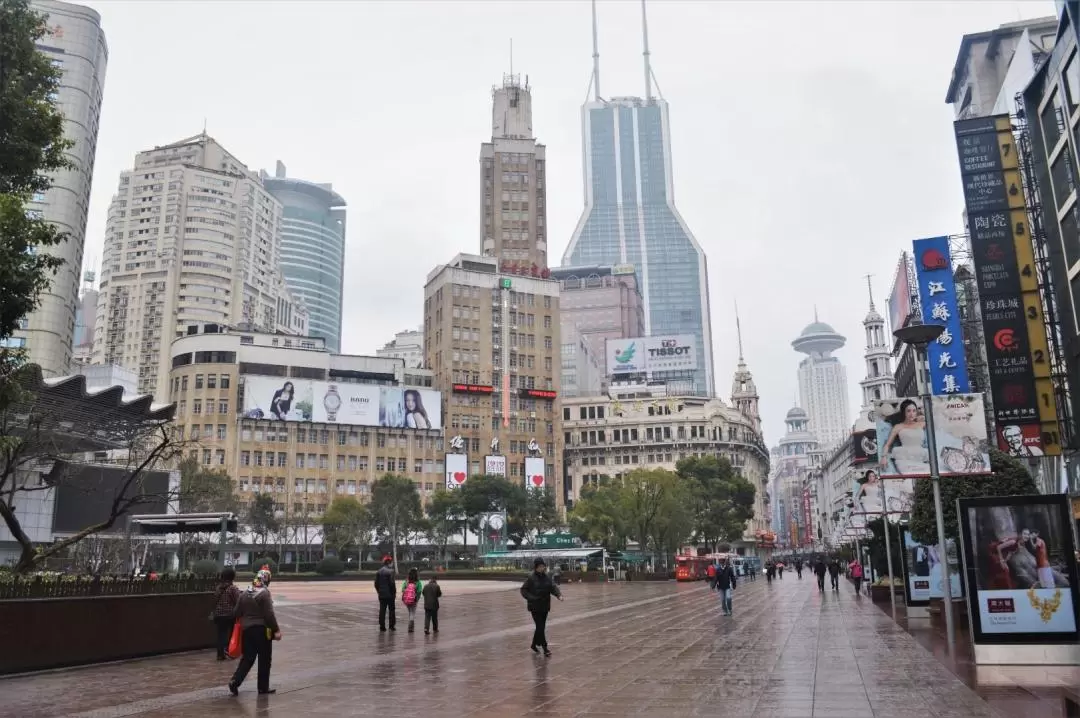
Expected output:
{"points": [[651, 649]]}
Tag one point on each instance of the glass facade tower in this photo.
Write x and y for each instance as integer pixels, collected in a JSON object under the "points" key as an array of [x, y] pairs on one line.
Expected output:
{"points": [[630, 218]]}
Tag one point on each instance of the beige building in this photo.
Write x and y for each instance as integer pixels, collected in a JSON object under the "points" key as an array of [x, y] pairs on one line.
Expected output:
{"points": [[512, 184], [613, 435], [192, 237], [225, 386], [492, 342]]}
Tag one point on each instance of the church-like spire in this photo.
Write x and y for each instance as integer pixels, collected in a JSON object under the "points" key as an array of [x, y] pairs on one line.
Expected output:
{"points": [[738, 332], [744, 396], [879, 382]]}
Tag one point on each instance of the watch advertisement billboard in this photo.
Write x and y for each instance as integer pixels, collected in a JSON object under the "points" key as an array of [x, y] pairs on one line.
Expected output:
{"points": [[457, 470], [922, 568], [281, 399], [495, 465], [959, 427], [534, 472], [870, 494], [1020, 568], [670, 352]]}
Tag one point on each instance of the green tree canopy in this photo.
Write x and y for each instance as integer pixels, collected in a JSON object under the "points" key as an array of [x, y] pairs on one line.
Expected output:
{"points": [[721, 499], [444, 516], [205, 490], [346, 524], [262, 519], [533, 514], [483, 494], [395, 508]]}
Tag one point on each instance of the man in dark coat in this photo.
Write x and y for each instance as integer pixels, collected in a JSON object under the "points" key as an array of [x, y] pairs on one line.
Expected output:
{"points": [[387, 592], [725, 584], [819, 571], [537, 592], [834, 574]]}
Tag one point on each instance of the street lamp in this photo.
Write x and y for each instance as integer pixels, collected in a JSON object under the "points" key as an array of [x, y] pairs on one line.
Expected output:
{"points": [[919, 335]]}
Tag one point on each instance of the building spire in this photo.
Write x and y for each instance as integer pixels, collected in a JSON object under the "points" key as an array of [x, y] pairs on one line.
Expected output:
{"points": [[595, 56], [815, 313], [870, 289], [645, 53], [738, 330]]}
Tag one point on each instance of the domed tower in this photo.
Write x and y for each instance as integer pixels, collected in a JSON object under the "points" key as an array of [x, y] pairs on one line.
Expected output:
{"points": [[823, 390], [744, 395]]}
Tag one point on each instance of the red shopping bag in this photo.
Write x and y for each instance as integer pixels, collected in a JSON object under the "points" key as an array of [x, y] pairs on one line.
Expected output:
{"points": [[236, 644]]}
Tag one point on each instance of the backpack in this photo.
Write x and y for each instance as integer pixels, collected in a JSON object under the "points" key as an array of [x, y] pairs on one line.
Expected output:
{"points": [[408, 596]]}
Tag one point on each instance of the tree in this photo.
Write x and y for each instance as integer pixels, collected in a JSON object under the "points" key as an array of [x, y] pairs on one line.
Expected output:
{"points": [[722, 500], [346, 523], [1008, 477], [395, 507], [261, 519], [534, 514], [484, 494], [444, 515], [205, 490], [642, 499], [32, 138], [597, 515]]}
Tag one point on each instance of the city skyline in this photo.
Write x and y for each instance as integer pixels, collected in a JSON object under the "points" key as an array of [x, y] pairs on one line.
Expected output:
{"points": [[714, 141]]}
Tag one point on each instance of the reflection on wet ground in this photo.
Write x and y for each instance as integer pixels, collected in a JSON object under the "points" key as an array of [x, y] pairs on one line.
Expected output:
{"points": [[656, 649]]}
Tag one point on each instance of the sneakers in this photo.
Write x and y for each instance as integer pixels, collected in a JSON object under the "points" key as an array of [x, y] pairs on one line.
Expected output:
{"points": [[234, 689], [411, 627], [534, 649], [547, 652]]}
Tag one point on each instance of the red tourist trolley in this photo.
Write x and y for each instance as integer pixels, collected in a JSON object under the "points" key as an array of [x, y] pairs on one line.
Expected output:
{"points": [[691, 568]]}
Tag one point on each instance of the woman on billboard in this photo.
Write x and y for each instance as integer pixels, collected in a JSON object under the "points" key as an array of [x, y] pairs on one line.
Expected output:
{"points": [[868, 495], [415, 415], [282, 401], [905, 446]]}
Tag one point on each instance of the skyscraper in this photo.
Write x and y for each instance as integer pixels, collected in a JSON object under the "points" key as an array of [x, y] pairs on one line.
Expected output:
{"points": [[76, 45], [312, 249], [823, 383], [512, 181], [630, 215]]}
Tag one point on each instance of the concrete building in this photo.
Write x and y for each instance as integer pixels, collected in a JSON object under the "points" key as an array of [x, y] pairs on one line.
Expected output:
{"points": [[630, 217], [76, 45], [192, 237], [823, 383], [312, 249], [596, 304], [513, 184], [878, 382], [85, 318], [220, 381], [407, 345], [492, 341], [795, 460]]}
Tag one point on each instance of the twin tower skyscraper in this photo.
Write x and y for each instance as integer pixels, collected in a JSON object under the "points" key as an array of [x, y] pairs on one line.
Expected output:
{"points": [[630, 215]]}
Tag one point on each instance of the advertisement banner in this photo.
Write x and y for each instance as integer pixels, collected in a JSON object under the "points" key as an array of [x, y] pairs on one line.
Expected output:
{"points": [[867, 498], [279, 399], [808, 519], [495, 466], [937, 299], [864, 446], [457, 470], [922, 569], [900, 296], [960, 430], [676, 352], [534, 472], [1020, 569]]}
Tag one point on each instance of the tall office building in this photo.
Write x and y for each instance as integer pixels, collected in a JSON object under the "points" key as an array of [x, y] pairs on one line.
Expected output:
{"points": [[512, 181], [85, 318], [312, 249], [630, 216], [192, 238], [76, 45], [823, 383]]}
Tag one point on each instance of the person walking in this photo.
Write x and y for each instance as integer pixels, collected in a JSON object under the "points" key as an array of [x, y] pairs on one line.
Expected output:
{"points": [[725, 584], [537, 592], [780, 569], [387, 592], [819, 571], [798, 567], [226, 597], [432, 593], [770, 570], [255, 609], [410, 595], [856, 573], [834, 574]]}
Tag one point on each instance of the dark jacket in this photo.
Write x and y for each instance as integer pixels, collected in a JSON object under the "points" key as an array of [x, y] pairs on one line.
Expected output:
{"points": [[725, 578], [834, 568], [225, 599], [256, 608], [537, 592], [432, 592], [819, 568], [384, 583]]}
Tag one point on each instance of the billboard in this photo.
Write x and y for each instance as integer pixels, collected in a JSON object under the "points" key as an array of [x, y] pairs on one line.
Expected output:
{"points": [[1017, 350], [1020, 568], [457, 470], [534, 472], [280, 399], [900, 296], [959, 428], [669, 352], [922, 571], [495, 465], [872, 495], [937, 300]]}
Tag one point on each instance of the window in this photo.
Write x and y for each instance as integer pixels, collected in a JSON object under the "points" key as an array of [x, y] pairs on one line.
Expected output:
{"points": [[198, 381], [299, 461], [418, 466], [224, 381], [1053, 122], [196, 406], [211, 381], [222, 431], [340, 463], [245, 458], [1071, 75], [401, 465]]}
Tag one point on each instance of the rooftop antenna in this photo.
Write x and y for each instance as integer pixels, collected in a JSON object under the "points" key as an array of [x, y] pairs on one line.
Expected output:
{"points": [[645, 38], [815, 313], [738, 330], [595, 55], [870, 289]]}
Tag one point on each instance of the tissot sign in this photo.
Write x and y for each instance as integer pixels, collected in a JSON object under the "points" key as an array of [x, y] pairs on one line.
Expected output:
{"points": [[671, 352]]}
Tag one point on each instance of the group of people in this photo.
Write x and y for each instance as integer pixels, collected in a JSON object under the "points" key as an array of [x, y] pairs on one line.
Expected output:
{"points": [[412, 591]]}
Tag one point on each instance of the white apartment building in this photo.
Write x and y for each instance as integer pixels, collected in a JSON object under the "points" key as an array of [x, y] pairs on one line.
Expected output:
{"points": [[407, 345], [192, 238]]}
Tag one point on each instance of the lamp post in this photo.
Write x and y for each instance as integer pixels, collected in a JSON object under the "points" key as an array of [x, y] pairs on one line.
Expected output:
{"points": [[919, 336]]}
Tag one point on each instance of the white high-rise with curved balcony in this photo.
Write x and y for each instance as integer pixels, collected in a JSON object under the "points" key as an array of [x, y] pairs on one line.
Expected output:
{"points": [[823, 384]]}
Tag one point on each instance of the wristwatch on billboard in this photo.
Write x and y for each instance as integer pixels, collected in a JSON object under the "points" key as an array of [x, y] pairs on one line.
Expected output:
{"points": [[331, 402]]}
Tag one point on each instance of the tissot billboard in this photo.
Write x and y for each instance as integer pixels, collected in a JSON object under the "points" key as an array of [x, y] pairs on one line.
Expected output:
{"points": [[670, 352]]}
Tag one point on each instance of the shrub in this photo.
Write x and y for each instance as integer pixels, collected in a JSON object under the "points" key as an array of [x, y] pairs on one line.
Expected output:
{"points": [[330, 566], [206, 567], [258, 563]]}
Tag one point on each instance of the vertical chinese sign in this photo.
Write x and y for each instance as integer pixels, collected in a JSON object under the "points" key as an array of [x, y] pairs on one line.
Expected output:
{"points": [[937, 298], [808, 519], [1012, 316]]}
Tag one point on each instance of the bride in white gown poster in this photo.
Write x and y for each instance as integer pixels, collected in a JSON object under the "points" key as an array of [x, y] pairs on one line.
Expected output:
{"points": [[959, 426]]}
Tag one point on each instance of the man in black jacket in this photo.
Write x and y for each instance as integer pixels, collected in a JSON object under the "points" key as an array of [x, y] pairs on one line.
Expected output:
{"points": [[387, 591], [537, 592], [819, 571], [725, 584]]}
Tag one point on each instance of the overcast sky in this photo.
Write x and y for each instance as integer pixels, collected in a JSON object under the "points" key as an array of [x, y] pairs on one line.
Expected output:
{"points": [[811, 140]]}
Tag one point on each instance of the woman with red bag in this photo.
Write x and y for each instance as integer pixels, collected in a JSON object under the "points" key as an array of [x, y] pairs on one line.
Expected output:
{"points": [[255, 611]]}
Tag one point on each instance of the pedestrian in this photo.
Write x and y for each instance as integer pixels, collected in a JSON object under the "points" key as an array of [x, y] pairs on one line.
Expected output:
{"points": [[856, 573], [537, 592], [798, 567], [819, 571], [834, 574], [780, 569], [725, 584], [387, 592], [226, 597], [410, 595], [432, 593], [255, 609], [770, 570], [710, 572]]}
